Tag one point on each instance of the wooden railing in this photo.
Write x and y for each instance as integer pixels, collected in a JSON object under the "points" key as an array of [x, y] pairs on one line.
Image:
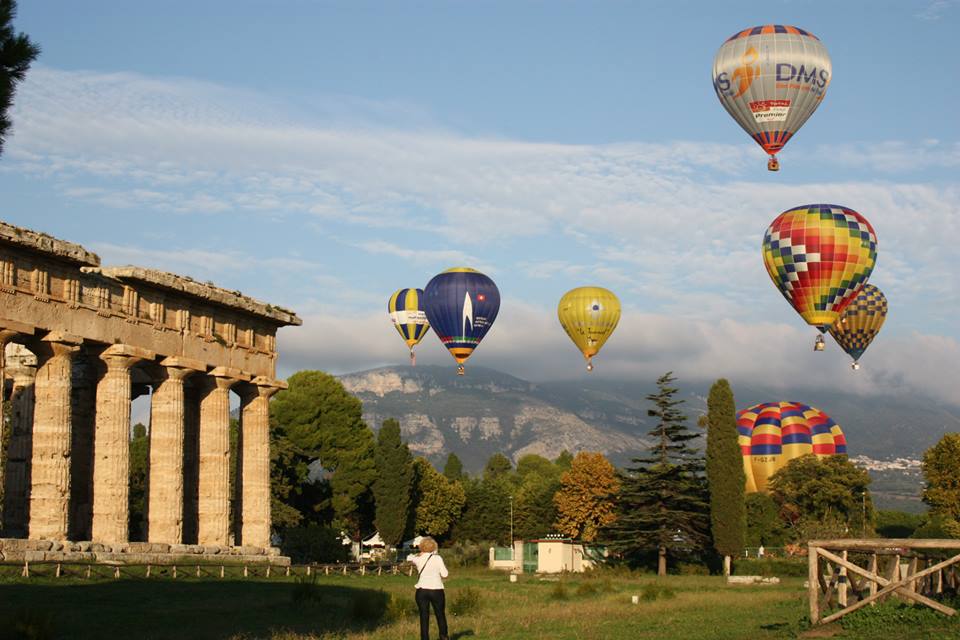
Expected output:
{"points": [[848, 575]]}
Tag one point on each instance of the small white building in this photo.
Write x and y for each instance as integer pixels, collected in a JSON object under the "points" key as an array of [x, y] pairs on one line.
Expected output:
{"points": [[551, 554]]}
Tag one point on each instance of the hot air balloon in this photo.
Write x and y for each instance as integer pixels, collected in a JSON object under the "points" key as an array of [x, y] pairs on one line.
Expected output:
{"points": [[771, 79], [819, 256], [773, 433], [860, 322], [461, 305], [406, 311], [589, 315]]}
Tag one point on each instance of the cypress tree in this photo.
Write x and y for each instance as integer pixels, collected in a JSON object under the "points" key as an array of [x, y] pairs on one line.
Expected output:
{"points": [[663, 499], [725, 477], [454, 467], [392, 487]]}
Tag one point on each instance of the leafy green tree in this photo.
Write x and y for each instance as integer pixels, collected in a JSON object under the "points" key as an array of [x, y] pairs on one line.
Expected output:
{"points": [[498, 465], [664, 507], [439, 500], [764, 526], [16, 54], [139, 452], [585, 502], [822, 498], [942, 489], [393, 484], [725, 476], [322, 422], [536, 482], [486, 512], [897, 524], [453, 469], [564, 460]]}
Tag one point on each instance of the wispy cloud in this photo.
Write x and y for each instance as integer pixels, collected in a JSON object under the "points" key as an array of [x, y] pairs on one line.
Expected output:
{"points": [[936, 9]]}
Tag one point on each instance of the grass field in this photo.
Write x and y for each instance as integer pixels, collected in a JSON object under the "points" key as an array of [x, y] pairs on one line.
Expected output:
{"points": [[481, 605]]}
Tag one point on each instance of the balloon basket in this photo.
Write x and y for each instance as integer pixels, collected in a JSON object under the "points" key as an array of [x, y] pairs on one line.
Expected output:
{"points": [[589, 365], [461, 371], [819, 344], [773, 164], [413, 359], [855, 366]]}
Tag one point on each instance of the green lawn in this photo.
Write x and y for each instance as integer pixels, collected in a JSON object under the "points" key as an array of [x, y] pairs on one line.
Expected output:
{"points": [[380, 608]]}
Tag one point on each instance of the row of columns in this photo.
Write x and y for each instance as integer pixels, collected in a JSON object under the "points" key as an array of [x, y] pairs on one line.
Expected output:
{"points": [[178, 414]]}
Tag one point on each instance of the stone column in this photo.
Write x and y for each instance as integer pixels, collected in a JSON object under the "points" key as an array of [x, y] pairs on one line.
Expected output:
{"points": [[253, 465], [165, 503], [50, 459], [111, 445], [213, 502], [20, 448], [86, 375], [8, 331]]}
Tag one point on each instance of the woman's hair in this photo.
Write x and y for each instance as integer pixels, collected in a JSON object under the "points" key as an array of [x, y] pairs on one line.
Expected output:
{"points": [[428, 544]]}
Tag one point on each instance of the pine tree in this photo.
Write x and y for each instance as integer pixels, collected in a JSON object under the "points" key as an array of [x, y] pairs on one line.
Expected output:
{"points": [[16, 54], [663, 500], [725, 477], [454, 467], [394, 482]]}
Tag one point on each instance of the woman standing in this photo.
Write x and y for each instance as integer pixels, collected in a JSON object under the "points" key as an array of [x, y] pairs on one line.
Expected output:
{"points": [[429, 587]]}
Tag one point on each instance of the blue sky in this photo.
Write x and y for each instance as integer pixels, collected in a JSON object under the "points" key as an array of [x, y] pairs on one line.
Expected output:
{"points": [[320, 155]]}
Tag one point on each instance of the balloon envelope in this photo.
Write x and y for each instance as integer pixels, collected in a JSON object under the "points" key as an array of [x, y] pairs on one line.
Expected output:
{"points": [[770, 79], [589, 315], [461, 305], [773, 433], [819, 256], [860, 321], [406, 311]]}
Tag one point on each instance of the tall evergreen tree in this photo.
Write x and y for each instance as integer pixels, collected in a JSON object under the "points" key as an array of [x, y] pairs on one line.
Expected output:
{"points": [[391, 489], [453, 469], [725, 477], [663, 499], [16, 54]]}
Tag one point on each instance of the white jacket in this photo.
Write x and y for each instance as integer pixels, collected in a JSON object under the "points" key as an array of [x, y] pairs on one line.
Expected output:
{"points": [[431, 569]]}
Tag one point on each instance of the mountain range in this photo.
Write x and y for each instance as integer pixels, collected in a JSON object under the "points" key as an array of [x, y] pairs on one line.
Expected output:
{"points": [[487, 412]]}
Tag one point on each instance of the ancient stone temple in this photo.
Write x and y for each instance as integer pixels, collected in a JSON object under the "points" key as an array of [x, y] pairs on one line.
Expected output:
{"points": [[83, 341]]}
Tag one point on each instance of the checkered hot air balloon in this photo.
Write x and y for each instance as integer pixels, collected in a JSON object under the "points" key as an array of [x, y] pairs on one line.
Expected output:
{"points": [[771, 79], [819, 256], [461, 305], [772, 434], [406, 311], [860, 322], [589, 315]]}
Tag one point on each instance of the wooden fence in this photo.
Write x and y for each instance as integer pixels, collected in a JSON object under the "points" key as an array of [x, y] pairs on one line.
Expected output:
{"points": [[846, 575], [117, 570]]}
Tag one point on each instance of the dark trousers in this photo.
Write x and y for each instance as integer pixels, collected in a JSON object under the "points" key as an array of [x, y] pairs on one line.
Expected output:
{"points": [[435, 597]]}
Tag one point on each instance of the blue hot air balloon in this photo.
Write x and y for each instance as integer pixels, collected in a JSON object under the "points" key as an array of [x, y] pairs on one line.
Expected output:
{"points": [[461, 305]]}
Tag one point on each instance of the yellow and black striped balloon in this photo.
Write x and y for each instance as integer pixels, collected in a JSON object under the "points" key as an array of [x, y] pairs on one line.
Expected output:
{"points": [[406, 312]]}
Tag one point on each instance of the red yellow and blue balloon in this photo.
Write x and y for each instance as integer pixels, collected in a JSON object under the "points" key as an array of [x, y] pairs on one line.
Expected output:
{"points": [[860, 322], [406, 311], [819, 256], [461, 305], [772, 434]]}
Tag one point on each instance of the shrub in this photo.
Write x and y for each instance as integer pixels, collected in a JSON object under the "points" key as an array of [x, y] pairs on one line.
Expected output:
{"points": [[587, 589], [891, 615], [770, 567], [465, 601], [306, 590], [467, 554], [653, 591], [692, 569], [313, 544], [400, 607]]}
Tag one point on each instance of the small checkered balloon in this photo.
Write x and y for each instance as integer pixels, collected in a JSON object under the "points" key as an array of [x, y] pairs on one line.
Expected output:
{"points": [[819, 256], [860, 322]]}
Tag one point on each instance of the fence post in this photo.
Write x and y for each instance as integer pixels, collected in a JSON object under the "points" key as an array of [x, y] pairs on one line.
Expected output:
{"points": [[245, 574], [26, 569], [221, 571], [58, 570], [813, 582], [116, 573], [268, 570], [842, 580], [88, 572]]}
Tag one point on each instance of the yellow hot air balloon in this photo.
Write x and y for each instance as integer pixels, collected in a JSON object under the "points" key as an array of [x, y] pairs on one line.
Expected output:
{"points": [[589, 315]]}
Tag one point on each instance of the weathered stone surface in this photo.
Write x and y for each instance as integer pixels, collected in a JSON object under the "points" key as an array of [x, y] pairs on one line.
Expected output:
{"points": [[48, 244], [253, 482], [213, 504]]}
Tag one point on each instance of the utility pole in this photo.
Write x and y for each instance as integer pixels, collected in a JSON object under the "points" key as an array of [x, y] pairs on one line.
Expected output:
{"points": [[511, 528]]}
